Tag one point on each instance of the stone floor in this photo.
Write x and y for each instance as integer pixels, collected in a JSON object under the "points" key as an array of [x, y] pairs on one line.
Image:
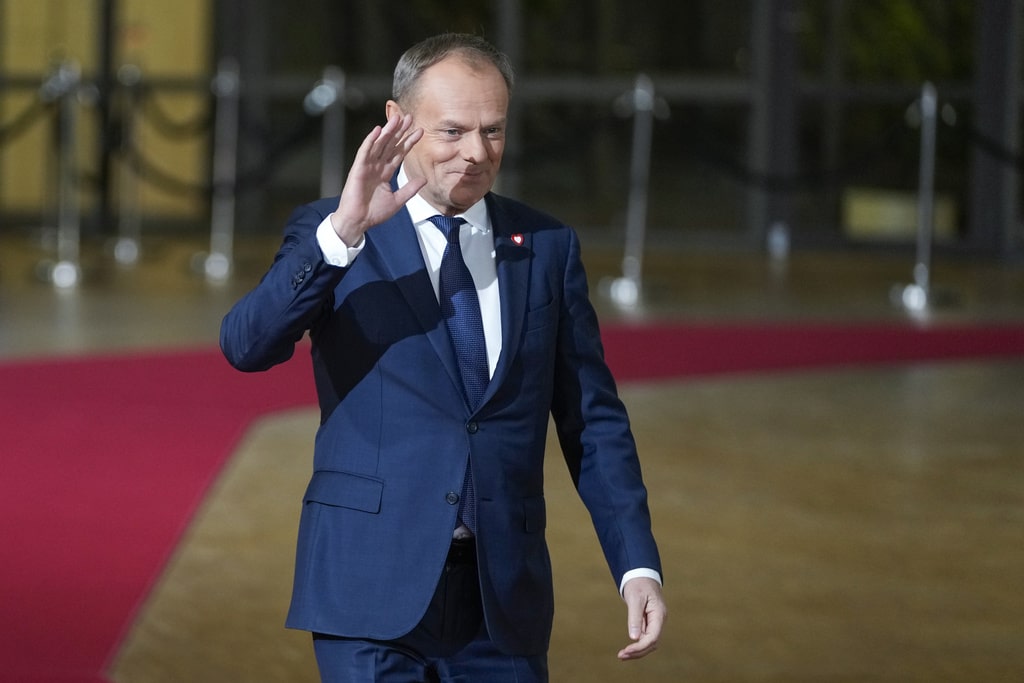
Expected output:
{"points": [[828, 525]]}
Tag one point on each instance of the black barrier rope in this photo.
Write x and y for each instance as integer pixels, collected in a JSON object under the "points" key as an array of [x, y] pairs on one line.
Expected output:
{"points": [[249, 180], [806, 181], [169, 183], [300, 133], [163, 122], [707, 149], [24, 120], [995, 149], [814, 180]]}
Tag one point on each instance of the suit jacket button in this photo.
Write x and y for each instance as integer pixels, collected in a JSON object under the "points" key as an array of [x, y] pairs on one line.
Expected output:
{"points": [[472, 427], [452, 498]]}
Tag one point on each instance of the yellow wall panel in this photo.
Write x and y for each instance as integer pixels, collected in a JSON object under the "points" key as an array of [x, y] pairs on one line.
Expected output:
{"points": [[37, 32], [164, 39], [171, 40], [35, 36]]}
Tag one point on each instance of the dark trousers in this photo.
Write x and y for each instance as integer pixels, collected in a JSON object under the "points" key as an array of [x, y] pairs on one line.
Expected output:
{"points": [[449, 644]]}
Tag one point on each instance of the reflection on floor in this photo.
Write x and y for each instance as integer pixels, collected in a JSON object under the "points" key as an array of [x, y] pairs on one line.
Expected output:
{"points": [[850, 524]]}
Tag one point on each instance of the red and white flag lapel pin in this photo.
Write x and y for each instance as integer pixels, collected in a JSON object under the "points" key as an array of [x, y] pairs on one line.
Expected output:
{"points": [[517, 239]]}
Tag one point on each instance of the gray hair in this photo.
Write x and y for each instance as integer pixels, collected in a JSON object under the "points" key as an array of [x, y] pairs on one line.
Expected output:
{"points": [[425, 54]]}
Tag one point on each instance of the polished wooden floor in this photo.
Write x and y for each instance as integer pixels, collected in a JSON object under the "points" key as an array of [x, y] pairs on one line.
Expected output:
{"points": [[854, 524]]}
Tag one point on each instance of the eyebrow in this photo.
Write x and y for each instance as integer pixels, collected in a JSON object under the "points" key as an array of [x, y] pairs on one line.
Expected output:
{"points": [[449, 123]]}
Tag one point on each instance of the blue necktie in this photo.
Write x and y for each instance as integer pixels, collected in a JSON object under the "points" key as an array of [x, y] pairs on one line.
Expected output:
{"points": [[460, 309]]}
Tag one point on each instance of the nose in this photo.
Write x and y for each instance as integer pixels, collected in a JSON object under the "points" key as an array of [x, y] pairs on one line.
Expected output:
{"points": [[474, 148]]}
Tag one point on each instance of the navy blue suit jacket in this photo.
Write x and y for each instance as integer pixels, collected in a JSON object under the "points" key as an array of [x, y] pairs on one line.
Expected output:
{"points": [[395, 430]]}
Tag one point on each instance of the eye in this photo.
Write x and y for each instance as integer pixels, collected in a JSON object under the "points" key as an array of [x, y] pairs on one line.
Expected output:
{"points": [[451, 132]]}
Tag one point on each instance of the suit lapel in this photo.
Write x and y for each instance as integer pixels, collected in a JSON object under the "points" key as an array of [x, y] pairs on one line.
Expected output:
{"points": [[398, 250], [512, 262]]}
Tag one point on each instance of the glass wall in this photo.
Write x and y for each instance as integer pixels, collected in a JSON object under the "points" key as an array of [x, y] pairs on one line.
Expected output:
{"points": [[793, 111], [863, 64]]}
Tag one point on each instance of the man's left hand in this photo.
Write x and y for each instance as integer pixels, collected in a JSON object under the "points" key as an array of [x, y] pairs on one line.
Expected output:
{"points": [[646, 615]]}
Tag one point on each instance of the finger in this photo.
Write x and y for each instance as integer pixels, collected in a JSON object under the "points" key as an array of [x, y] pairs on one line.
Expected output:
{"points": [[647, 642], [411, 139], [395, 123], [636, 613], [376, 144], [399, 147], [641, 648], [406, 192], [367, 144], [398, 154], [393, 132]]}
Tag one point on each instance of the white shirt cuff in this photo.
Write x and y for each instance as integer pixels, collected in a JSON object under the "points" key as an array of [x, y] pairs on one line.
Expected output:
{"points": [[336, 252], [638, 574]]}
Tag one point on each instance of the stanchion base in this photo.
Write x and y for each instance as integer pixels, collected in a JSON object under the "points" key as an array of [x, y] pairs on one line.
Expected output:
{"points": [[914, 298], [61, 274], [215, 266], [623, 291], [919, 300], [126, 251]]}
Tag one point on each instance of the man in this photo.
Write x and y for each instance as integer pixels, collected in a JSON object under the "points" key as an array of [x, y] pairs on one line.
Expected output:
{"points": [[421, 551]]}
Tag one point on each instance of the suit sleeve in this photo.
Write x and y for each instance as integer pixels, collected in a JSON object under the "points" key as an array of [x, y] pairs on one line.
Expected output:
{"points": [[261, 330], [594, 432]]}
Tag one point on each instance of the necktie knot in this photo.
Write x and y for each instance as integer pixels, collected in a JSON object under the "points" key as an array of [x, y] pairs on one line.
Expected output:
{"points": [[449, 225]]}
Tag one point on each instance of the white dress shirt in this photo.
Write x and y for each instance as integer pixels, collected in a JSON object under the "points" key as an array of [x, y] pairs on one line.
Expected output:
{"points": [[477, 242]]}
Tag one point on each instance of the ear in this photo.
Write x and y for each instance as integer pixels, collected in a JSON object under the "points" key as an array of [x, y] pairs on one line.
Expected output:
{"points": [[392, 109]]}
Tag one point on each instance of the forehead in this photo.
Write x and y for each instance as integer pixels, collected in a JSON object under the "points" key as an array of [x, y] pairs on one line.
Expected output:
{"points": [[456, 83]]}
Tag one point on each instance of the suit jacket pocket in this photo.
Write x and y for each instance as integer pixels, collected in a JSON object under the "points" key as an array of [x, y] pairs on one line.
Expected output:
{"points": [[541, 317], [345, 489]]}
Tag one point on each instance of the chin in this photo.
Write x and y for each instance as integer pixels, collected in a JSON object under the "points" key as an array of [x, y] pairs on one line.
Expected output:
{"points": [[466, 198], [463, 203]]}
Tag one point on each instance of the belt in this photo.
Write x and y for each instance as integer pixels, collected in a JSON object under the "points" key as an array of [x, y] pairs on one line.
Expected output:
{"points": [[462, 551]]}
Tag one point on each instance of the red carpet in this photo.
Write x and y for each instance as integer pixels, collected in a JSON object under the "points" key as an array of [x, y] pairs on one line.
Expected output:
{"points": [[105, 461], [107, 458], [671, 350]]}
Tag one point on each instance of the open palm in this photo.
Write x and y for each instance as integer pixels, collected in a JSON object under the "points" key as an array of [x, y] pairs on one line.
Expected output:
{"points": [[367, 198]]}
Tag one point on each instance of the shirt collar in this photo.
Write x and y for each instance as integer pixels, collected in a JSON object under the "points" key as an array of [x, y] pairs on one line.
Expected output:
{"points": [[420, 210]]}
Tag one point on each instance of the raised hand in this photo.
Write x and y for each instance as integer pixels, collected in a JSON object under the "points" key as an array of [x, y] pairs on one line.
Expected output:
{"points": [[367, 198]]}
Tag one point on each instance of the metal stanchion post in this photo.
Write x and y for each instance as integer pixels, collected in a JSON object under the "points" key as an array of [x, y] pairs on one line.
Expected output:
{"points": [[916, 297], [128, 246], [327, 99], [641, 102], [62, 87], [226, 88]]}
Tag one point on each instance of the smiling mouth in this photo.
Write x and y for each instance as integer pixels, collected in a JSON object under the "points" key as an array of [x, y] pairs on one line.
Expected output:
{"points": [[470, 174]]}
